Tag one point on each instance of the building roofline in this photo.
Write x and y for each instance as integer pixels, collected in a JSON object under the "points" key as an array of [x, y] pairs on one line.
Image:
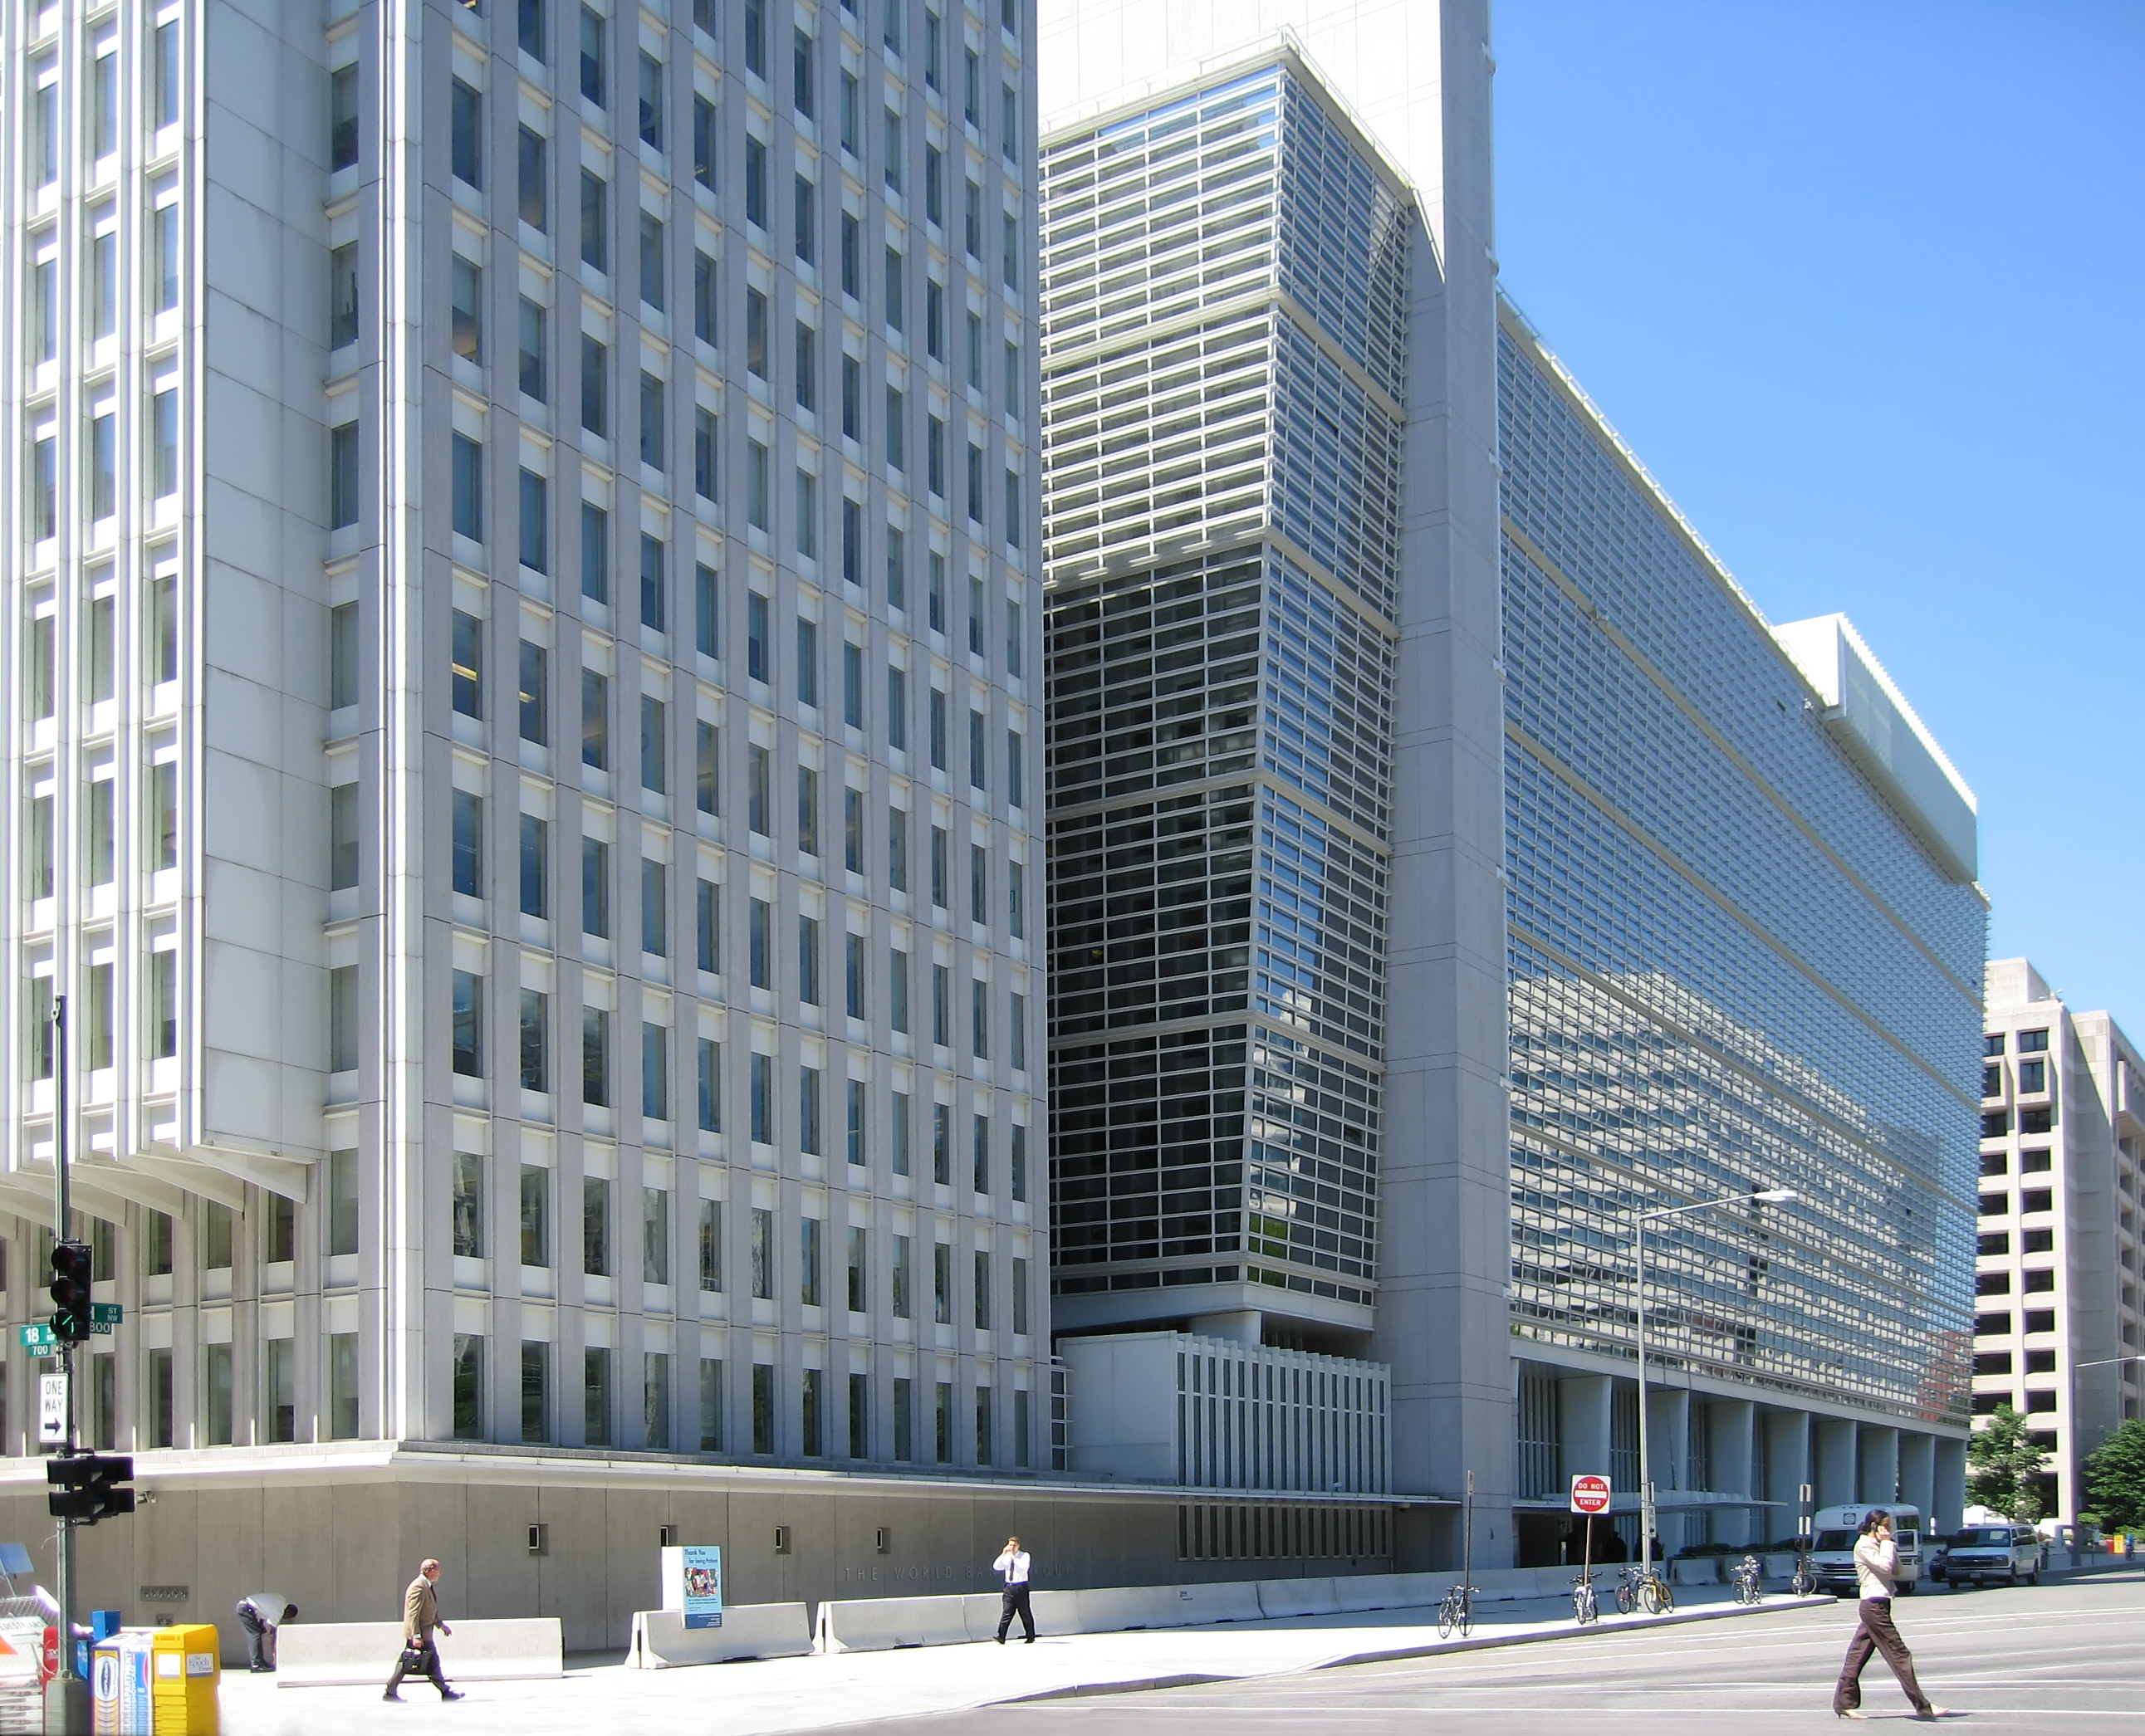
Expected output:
{"points": [[1286, 51], [1523, 331]]}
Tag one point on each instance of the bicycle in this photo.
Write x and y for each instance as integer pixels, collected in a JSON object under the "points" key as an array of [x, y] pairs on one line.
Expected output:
{"points": [[1583, 1607], [1643, 1590], [1747, 1587], [1804, 1582], [1456, 1611]]}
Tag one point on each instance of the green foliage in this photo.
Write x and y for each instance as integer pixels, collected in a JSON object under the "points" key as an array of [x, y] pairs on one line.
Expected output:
{"points": [[2115, 1478], [2005, 1464]]}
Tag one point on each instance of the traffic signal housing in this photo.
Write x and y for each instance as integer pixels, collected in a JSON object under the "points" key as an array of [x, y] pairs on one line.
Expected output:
{"points": [[90, 1486], [72, 1274]]}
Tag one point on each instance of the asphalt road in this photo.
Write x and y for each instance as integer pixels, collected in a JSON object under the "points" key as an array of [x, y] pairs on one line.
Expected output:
{"points": [[2056, 1657]]}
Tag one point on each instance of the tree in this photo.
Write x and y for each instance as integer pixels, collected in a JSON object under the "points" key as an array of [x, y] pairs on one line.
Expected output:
{"points": [[2006, 1467], [2115, 1478]]}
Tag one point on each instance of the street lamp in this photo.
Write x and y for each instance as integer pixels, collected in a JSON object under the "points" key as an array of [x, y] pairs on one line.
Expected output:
{"points": [[2077, 1457], [1763, 1196]]}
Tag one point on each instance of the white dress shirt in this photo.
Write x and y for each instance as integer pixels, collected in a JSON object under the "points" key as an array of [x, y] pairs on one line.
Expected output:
{"points": [[1014, 1564]]}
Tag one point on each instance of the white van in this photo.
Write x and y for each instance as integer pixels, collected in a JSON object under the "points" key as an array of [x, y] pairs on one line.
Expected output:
{"points": [[1839, 1528], [1997, 1554]]}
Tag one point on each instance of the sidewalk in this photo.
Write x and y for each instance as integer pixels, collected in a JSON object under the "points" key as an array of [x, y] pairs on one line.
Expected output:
{"points": [[807, 1693]]}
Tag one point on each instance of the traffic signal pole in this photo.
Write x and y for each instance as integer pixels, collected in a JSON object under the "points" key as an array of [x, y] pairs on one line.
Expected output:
{"points": [[66, 1695]]}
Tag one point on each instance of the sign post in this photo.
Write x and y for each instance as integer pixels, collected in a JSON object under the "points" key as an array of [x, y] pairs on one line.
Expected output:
{"points": [[1589, 1496], [66, 1695]]}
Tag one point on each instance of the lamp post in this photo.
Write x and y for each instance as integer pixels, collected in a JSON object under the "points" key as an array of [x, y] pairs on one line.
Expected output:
{"points": [[1765, 1196], [2099, 1362]]}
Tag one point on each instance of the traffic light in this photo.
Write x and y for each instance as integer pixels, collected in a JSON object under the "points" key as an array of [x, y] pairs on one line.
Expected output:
{"points": [[71, 1281], [90, 1486]]}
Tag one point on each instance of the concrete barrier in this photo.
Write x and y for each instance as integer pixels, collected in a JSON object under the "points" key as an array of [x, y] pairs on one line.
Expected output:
{"points": [[878, 1624], [1194, 1606], [1700, 1570], [1279, 1598], [661, 1640], [342, 1654]]}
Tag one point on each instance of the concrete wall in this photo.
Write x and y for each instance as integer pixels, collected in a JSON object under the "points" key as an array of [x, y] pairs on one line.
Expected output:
{"points": [[344, 1551]]}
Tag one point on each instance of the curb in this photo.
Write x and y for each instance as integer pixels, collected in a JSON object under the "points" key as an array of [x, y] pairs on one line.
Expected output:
{"points": [[1434, 1649]]}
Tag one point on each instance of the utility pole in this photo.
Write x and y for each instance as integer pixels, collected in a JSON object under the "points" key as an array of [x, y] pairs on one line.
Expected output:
{"points": [[66, 1695]]}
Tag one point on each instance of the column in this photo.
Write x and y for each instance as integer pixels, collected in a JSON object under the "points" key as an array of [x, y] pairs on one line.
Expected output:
{"points": [[1730, 1426], [1787, 1468], [1947, 1493], [1918, 1464], [1668, 1424], [1877, 1464], [1833, 1447], [1582, 1406]]}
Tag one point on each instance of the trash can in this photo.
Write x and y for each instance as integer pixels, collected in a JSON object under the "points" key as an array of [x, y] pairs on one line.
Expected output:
{"points": [[188, 1674]]}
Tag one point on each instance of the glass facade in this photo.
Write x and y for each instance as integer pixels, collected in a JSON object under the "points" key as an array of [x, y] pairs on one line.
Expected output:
{"points": [[1731, 967], [1220, 721]]}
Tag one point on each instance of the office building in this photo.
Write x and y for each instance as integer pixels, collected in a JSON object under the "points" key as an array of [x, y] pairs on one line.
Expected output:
{"points": [[2063, 1190], [522, 525], [1449, 861]]}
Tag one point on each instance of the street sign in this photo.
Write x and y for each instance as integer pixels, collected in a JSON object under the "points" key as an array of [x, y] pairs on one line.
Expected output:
{"points": [[51, 1407], [1590, 1494], [106, 1314], [38, 1338]]}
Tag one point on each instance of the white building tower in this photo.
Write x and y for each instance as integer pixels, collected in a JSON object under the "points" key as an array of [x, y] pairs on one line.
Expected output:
{"points": [[521, 524]]}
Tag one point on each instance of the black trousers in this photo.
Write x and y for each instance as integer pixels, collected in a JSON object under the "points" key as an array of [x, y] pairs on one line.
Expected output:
{"points": [[256, 1637], [1015, 1599], [1876, 1633], [432, 1670]]}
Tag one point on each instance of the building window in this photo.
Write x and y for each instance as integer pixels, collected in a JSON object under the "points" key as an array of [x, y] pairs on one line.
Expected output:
{"points": [[469, 488], [595, 1056], [468, 1031], [651, 103], [342, 476], [595, 1396], [594, 68], [468, 843]]}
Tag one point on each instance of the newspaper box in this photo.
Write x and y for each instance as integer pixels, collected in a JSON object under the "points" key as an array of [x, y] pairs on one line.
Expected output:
{"points": [[187, 1674], [120, 1676]]}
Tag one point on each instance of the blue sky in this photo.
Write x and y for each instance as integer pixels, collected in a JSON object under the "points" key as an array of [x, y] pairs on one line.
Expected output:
{"points": [[1861, 284]]}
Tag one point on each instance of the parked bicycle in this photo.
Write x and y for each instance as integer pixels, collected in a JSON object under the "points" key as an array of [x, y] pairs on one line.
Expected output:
{"points": [[1747, 1575], [1642, 1589], [1804, 1582], [1457, 1611], [1583, 1605]]}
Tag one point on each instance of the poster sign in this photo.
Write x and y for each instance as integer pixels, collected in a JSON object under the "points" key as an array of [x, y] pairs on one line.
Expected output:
{"points": [[1590, 1494], [693, 1584], [703, 1587], [51, 1407]]}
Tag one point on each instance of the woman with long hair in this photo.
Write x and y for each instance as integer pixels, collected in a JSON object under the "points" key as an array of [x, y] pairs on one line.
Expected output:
{"points": [[1877, 1567]]}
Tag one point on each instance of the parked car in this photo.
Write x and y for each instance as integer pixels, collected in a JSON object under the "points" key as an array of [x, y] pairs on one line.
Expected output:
{"points": [[1993, 1554], [1837, 1528]]}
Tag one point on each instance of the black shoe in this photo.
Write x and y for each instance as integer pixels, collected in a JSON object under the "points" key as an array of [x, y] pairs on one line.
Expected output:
{"points": [[392, 1695], [1001, 1639], [451, 1693], [1030, 1640]]}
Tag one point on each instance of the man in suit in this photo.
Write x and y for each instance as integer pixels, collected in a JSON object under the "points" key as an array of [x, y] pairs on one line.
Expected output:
{"points": [[1014, 1563], [420, 1615]]}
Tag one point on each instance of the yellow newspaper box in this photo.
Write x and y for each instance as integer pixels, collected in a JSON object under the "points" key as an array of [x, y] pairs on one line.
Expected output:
{"points": [[184, 1676]]}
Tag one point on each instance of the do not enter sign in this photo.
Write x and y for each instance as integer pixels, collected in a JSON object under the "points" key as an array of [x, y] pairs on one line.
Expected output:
{"points": [[1589, 1495]]}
